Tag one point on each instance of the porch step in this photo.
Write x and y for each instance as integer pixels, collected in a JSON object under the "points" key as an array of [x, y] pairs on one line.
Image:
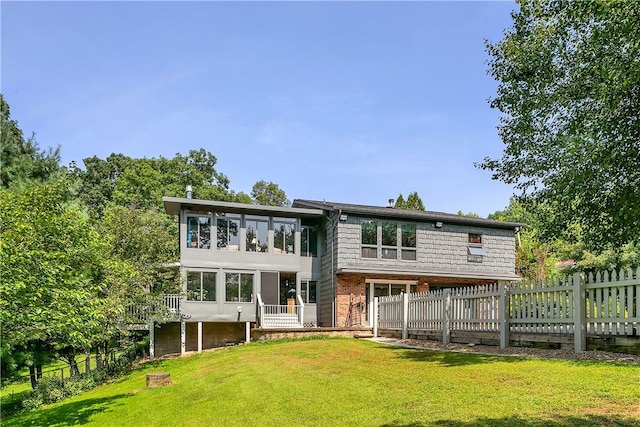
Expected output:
{"points": [[363, 335]]}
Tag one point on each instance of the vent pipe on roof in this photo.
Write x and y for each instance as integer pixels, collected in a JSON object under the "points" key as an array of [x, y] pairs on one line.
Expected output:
{"points": [[390, 205], [189, 190]]}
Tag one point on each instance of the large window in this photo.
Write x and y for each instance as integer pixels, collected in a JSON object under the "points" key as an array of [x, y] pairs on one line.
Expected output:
{"points": [[228, 232], [408, 242], [287, 287], [239, 287], [199, 231], [475, 252], [257, 233], [201, 286], [308, 290], [369, 239], [284, 231], [389, 240], [308, 241]]}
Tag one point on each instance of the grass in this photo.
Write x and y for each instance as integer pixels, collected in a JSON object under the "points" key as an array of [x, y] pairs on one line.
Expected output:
{"points": [[351, 382]]}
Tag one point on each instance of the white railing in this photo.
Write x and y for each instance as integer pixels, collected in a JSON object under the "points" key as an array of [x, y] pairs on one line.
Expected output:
{"points": [[168, 307], [598, 304], [281, 316]]}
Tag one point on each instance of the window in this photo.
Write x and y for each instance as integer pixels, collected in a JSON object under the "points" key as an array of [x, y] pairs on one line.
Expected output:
{"points": [[284, 230], [198, 231], [408, 241], [475, 252], [257, 233], [389, 240], [228, 232], [308, 291], [287, 287], [201, 286], [239, 287], [369, 239], [308, 241], [475, 239]]}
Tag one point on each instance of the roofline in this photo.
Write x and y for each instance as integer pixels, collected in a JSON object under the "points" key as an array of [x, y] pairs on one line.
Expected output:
{"points": [[173, 205], [430, 273], [397, 213]]}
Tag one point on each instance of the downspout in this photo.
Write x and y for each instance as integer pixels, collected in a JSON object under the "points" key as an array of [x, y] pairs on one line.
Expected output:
{"points": [[333, 276]]}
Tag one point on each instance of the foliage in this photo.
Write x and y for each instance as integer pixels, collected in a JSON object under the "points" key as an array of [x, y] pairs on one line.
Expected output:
{"points": [[20, 159], [468, 214], [370, 383], [569, 79], [141, 183], [269, 194], [413, 202], [50, 259]]}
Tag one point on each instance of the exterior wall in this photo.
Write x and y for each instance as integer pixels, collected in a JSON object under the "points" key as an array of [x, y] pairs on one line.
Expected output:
{"points": [[352, 288], [167, 336], [326, 295], [438, 249]]}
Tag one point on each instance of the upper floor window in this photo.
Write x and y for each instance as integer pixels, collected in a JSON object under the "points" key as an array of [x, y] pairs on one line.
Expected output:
{"points": [[308, 241], [284, 230], [198, 231], [408, 242], [369, 239], [257, 233], [389, 240], [228, 232], [475, 252], [201, 286]]}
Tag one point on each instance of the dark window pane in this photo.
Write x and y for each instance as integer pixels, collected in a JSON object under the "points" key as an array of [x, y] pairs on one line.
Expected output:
{"points": [[408, 236], [475, 238], [369, 233], [208, 286], [246, 288], [193, 286], [369, 252], [409, 254], [312, 292], [232, 287], [389, 253], [389, 234]]}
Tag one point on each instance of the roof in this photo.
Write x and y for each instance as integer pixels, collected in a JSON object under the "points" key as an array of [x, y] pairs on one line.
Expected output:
{"points": [[173, 205], [408, 214]]}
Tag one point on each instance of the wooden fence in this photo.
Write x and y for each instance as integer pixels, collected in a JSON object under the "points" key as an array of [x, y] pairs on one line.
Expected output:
{"points": [[602, 304]]}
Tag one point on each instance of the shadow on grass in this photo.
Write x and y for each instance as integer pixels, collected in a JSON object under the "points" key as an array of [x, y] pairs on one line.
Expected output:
{"points": [[515, 421], [68, 414], [448, 358]]}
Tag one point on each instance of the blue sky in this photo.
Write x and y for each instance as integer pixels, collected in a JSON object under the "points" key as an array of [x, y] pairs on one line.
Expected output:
{"points": [[349, 102]]}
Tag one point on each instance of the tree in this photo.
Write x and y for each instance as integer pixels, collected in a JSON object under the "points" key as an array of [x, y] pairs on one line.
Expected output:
{"points": [[141, 183], [569, 79], [51, 293], [468, 214], [413, 202], [20, 159], [269, 194]]}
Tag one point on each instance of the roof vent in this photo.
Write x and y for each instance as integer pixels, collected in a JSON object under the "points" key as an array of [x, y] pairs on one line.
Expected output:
{"points": [[189, 191], [390, 205]]}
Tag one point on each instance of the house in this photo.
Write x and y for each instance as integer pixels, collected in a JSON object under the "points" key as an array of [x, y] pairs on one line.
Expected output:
{"points": [[317, 263]]}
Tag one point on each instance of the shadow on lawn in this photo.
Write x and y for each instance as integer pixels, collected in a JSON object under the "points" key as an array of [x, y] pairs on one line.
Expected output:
{"points": [[515, 421], [446, 358], [68, 414]]}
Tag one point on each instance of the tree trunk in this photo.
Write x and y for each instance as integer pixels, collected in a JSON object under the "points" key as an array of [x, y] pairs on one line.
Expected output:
{"points": [[32, 376]]}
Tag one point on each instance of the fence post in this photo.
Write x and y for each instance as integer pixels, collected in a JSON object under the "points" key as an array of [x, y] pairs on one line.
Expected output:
{"points": [[183, 338], [446, 317], [503, 314], [579, 314], [405, 315], [374, 316]]}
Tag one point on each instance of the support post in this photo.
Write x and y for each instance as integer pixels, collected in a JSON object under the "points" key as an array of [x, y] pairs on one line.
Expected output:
{"points": [[199, 337], [152, 341], [87, 363], [247, 332], [374, 316], [579, 314], [503, 314], [405, 315], [446, 317], [183, 337]]}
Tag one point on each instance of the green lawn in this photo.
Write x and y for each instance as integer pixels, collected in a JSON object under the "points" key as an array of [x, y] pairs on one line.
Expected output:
{"points": [[349, 382]]}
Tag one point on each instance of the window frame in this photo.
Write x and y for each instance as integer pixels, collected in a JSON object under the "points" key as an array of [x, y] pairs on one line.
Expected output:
{"points": [[285, 249], [226, 217], [240, 284], [198, 216], [305, 291], [408, 249], [371, 248], [201, 274], [308, 235], [475, 250], [259, 243]]}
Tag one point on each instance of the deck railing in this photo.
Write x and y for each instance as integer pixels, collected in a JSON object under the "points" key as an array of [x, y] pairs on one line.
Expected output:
{"points": [[165, 307], [281, 316]]}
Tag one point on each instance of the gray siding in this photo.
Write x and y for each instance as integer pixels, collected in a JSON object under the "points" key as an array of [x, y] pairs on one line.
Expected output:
{"points": [[438, 250], [326, 298]]}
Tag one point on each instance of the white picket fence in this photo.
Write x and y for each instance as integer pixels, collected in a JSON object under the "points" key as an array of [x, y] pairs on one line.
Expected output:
{"points": [[603, 304]]}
